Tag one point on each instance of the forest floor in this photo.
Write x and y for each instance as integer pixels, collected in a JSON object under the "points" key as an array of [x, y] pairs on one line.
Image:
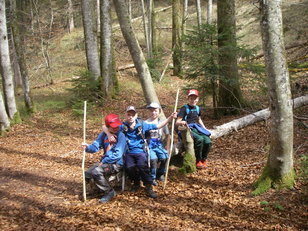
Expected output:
{"points": [[41, 177]]}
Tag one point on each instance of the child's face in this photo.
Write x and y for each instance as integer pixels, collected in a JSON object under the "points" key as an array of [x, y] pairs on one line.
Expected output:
{"points": [[131, 116], [113, 130], [154, 113], [193, 100]]}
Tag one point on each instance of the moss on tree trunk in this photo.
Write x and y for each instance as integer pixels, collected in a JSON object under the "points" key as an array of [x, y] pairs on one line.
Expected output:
{"points": [[270, 178], [189, 161]]}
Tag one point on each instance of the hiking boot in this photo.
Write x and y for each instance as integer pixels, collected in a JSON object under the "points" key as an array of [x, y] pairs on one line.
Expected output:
{"points": [[135, 188], [161, 178], [199, 165], [154, 183], [108, 196], [150, 192]]}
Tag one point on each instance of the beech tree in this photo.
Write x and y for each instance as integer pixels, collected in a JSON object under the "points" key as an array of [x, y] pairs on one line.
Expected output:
{"points": [[136, 52], [6, 70], [230, 96], [4, 119], [279, 171], [90, 40], [107, 58], [177, 24], [209, 11], [70, 11], [18, 30], [199, 14]]}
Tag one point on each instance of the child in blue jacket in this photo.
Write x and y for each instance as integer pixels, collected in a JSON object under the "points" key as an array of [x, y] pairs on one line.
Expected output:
{"points": [[111, 162], [136, 158]]}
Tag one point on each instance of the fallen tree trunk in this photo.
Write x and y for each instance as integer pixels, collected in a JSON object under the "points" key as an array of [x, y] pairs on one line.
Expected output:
{"points": [[264, 114]]}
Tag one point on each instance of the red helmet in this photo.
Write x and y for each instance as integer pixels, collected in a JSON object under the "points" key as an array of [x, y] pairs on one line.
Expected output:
{"points": [[112, 120]]}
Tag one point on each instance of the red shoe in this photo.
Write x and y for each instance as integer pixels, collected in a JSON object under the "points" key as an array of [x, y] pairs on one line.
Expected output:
{"points": [[204, 162], [199, 164]]}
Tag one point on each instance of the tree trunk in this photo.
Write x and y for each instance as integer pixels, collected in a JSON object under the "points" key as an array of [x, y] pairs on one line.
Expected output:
{"points": [[15, 65], [18, 35], [107, 59], [185, 16], [70, 16], [150, 26], [4, 119], [6, 70], [136, 52], [209, 11], [145, 21], [98, 17], [199, 14], [90, 40], [230, 96], [279, 171], [177, 26]]}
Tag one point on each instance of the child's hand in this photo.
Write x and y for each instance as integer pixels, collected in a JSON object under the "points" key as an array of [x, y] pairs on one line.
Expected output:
{"points": [[172, 116], [112, 138], [84, 145]]}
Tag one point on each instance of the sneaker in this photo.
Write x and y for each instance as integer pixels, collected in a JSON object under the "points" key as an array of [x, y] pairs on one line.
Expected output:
{"points": [[135, 188], [204, 162], [150, 192], [154, 183], [199, 165], [108, 196]]}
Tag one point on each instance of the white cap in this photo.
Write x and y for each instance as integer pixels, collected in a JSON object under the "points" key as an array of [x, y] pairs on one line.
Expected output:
{"points": [[131, 108], [153, 105]]}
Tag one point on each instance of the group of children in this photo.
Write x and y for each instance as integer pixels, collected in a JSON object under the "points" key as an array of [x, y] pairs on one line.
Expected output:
{"points": [[137, 146]]}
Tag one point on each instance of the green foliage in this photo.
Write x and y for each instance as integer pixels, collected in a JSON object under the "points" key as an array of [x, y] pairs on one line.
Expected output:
{"points": [[189, 165], [304, 172], [269, 206], [84, 88]]}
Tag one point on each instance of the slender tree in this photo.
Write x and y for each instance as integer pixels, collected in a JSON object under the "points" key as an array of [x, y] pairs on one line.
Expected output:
{"points": [[209, 11], [90, 39], [6, 70], [70, 11], [18, 29], [136, 52], [279, 171], [4, 119], [199, 14], [107, 58], [230, 96], [177, 26]]}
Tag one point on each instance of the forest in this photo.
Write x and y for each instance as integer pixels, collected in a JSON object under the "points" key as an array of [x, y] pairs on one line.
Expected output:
{"points": [[67, 64]]}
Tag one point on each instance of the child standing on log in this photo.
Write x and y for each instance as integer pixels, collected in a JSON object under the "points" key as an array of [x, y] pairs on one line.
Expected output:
{"points": [[190, 115]]}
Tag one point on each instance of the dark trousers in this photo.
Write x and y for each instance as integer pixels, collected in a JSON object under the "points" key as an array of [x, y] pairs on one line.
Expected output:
{"points": [[202, 144], [137, 168]]}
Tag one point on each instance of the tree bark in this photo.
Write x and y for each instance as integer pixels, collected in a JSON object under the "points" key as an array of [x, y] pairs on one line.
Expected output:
{"points": [[18, 35], [90, 40], [199, 14], [6, 70], [136, 52], [71, 25], [209, 11], [177, 31], [230, 95], [107, 59], [279, 171], [4, 119]]}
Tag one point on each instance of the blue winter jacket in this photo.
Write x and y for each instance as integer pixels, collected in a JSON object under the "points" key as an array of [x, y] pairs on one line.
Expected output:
{"points": [[135, 141], [115, 153]]}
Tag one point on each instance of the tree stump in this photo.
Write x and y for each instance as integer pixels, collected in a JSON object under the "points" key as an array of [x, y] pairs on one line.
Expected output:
{"points": [[189, 158]]}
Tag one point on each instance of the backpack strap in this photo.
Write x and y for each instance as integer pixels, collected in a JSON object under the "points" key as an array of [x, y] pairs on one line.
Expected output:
{"points": [[188, 110]]}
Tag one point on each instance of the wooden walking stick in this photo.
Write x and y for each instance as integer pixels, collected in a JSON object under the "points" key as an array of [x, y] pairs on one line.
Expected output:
{"points": [[171, 145], [84, 151]]}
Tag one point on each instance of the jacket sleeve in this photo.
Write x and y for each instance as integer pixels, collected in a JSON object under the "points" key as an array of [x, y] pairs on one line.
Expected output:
{"points": [[96, 145], [117, 150]]}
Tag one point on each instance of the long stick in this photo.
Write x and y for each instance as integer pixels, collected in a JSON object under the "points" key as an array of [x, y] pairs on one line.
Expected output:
{"points": [[171, 145], [84, 151]]}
